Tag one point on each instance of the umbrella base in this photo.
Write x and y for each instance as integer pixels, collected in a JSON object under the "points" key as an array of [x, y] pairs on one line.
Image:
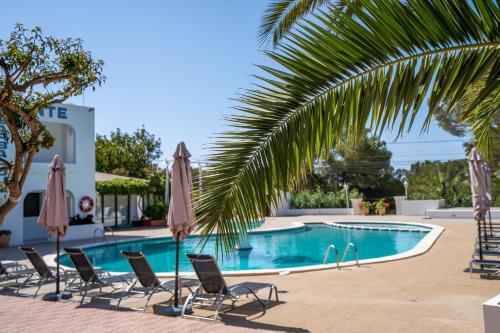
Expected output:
{"points": [[54, 297], [173, 311]]}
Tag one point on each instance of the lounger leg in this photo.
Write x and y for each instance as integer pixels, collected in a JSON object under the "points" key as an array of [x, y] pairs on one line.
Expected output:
{"points": [[25, 282], [84, 294], [125, 293], [148, 297], [40, 284], [218, 308], [186, 303], [271, 289]]}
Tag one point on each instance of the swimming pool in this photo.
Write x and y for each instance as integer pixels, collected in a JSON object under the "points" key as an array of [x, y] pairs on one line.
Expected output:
{"points": [[280, 249]]}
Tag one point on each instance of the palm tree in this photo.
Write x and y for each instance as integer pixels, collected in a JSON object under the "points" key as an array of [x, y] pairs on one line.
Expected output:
{"points": [[374, 68]]}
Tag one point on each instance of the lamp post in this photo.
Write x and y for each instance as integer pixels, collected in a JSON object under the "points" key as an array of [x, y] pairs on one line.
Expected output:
{"points": [[346, 189], [405, 184]]}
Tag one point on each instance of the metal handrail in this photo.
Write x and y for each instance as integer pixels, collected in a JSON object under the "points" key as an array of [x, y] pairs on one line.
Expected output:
{"points": [[112, 233], [103, 235], [327, 252], [356, 255]]}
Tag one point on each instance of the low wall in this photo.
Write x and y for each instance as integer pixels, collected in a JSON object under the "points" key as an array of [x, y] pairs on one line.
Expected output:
{"points": [[84, 231], [419, 207], [315, 211], [459, 213]]}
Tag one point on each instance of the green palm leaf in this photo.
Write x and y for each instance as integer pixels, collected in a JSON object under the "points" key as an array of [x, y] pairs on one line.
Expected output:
{"points": [[282, 15], [374, 69]]}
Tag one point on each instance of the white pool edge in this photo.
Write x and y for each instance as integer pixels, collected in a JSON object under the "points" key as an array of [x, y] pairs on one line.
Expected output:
{"points": [[422, 247]]}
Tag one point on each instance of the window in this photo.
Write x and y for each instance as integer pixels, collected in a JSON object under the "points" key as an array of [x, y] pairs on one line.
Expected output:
{"points": [[64, 144], [32, 204], [34, 200]]}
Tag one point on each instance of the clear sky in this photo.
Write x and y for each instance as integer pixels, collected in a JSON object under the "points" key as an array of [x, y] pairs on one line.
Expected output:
{"points": [[173, 66]]}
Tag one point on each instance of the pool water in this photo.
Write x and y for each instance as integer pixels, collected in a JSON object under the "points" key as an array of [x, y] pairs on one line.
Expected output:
{"points": [[303, 246]]}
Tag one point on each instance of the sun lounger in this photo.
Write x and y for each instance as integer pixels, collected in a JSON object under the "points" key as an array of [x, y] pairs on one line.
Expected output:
{"points": [[12, 270], [41, 274], [147, 282], [89, 278], [213, 290]]}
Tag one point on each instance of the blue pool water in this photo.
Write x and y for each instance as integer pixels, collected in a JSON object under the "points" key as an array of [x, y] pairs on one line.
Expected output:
{"points": [[271, 250]]}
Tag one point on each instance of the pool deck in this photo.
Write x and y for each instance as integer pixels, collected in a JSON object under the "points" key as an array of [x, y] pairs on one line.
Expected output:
{"points": [[426, 293]]}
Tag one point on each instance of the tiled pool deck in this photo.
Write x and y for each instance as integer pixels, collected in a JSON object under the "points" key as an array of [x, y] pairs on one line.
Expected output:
{"points": [[427, 293]]}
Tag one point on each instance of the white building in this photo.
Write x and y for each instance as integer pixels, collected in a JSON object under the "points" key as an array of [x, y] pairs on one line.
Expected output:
{"points": [[74, 132]]}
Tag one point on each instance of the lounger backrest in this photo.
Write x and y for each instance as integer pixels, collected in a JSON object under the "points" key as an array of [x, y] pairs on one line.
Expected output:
{"points": [[208, 273], [2, 269], [142, 269], [37, 261], [82, 264]]}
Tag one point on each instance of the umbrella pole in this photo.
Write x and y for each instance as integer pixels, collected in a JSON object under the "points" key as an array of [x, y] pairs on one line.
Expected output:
{"points": [[176, 295], [57, 265]]}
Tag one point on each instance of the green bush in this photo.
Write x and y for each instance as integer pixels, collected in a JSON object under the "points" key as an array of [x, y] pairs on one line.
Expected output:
{"points": [[5, 232], [122, 186], [156, 211], [321, 199]]}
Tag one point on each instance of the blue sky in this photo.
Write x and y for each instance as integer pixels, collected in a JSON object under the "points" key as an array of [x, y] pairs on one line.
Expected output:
{"points": [[173, 66]]}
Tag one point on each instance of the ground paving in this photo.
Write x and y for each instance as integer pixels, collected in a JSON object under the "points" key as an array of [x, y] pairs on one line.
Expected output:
{"points": [[427, 293]]}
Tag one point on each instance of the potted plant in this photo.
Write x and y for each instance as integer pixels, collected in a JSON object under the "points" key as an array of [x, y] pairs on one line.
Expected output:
{"points": [[381, 206], [356, 199], [156, 213], [364, 207], [4, 238]]}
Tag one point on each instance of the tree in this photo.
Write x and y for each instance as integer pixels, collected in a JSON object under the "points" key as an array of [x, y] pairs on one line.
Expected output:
{"points": [[440, 180], [35, 72], [374, 68], [365, 165], [124, 154]]}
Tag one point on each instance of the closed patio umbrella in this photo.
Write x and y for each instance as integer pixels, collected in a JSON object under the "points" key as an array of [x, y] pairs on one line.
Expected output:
{"points": [[480, 182], [53, 214], [180, 211]]}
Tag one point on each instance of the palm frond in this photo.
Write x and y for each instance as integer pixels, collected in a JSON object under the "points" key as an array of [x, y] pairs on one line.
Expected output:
{"points": [[282, 15], [374, 69]]}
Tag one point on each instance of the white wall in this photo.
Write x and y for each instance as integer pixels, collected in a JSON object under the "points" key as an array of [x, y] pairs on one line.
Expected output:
{"points": [[418, 207], [80, 173]]}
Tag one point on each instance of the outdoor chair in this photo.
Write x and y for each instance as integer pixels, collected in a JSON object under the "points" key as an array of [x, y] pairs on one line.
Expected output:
{"points": [[12, 270], [213, 290], [41, 273], [89, 278], [147, 282]]}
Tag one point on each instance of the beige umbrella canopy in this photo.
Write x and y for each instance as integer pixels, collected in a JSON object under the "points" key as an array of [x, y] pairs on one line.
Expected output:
{"points": [[53, 214], [480, 182], [180, 211]]}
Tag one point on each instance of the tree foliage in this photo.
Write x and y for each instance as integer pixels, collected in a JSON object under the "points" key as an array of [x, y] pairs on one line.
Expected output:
{"points": [[448, 180], [374, 68], [124, 154], [123, 186], [365, 165], [37, 71]]}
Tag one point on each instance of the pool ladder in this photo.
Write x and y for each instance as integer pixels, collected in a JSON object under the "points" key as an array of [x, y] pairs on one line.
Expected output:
{"points": [[344, 255], [104, 238]]}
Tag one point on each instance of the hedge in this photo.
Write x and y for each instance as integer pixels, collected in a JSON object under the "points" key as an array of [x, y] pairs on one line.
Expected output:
{"points": [[122, 186]]}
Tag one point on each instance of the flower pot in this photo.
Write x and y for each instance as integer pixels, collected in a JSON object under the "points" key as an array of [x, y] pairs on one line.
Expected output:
{"points": [[155, 223], [365, 211], [4, 241], [381, 211]]}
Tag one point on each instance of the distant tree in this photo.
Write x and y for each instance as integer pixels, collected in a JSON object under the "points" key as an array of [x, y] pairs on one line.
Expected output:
{"points": [[35, 72], [440, 180], [365, 165], [124, 154]]}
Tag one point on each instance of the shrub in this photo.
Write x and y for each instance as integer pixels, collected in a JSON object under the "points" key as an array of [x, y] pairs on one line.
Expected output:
{"points": [[156, 211], [122, 186], [321, 199]]}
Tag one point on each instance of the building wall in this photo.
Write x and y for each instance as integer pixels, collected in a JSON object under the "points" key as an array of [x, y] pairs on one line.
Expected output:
{"points": [[80, 164]]}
